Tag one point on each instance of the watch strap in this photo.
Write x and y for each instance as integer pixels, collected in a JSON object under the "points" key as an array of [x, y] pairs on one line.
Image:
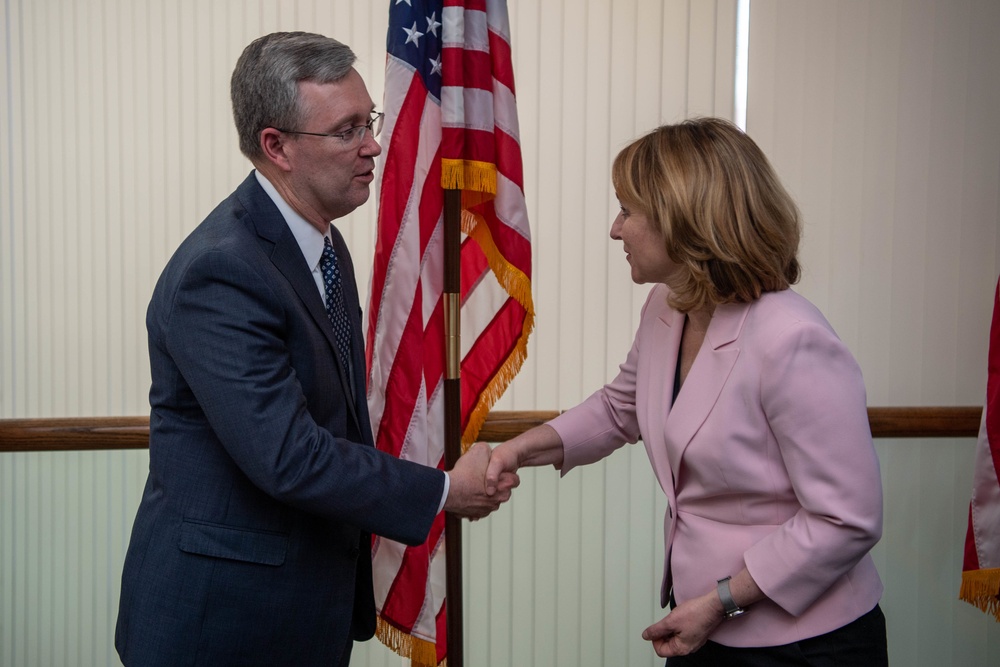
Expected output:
{"points": [[729, 606]]}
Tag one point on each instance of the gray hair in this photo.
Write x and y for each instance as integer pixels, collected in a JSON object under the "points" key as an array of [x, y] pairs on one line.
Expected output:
{"points": [[264, 87]]}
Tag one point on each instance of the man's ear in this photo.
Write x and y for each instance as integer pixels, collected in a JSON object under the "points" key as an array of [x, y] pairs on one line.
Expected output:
{"points": [[274, 144]]}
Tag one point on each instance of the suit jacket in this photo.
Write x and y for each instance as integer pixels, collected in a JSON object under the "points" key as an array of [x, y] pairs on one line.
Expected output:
{"points": [[252, 542], [766, 459]]}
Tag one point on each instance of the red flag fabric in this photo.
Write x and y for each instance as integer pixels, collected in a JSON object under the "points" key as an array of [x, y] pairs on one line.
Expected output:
{"points": [[981, 567], [450, 121]]}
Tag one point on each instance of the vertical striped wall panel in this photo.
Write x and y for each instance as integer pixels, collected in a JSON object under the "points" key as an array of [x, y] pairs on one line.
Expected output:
{"points": [[116, 139], [880, 117]]}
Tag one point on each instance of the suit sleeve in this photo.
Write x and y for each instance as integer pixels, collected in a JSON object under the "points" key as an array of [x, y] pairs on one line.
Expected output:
{"points": [[814, 399], [226, 331]]}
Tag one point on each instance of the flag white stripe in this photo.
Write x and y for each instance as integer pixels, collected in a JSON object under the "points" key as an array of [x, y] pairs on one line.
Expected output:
{"points": [[468, 108], [511, 208], [480, 307], [433, 271], [496, 15], [505, 112], [403, 269], [466, 28]]}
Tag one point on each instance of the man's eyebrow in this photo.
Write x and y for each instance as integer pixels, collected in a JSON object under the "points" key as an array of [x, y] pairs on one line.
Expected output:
{"points": [[352, 120], [359, 117]]}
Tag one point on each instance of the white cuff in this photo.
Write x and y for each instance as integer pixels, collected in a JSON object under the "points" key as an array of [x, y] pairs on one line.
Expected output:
{"points": [[444, 496]]}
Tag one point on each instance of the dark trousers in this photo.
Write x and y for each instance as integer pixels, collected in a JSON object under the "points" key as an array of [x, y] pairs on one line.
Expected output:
{"points": [[860, 643]]}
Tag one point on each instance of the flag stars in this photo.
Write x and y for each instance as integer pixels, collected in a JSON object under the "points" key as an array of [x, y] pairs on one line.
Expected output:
{"points": [[413, 35], [433, 24], [435, 65]]}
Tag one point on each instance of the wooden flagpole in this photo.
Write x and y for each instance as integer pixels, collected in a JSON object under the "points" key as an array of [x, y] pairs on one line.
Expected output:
{"points": [[453, 416]]}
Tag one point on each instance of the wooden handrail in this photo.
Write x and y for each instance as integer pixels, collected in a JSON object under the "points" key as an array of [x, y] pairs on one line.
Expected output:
{"points": [[103, 433]]}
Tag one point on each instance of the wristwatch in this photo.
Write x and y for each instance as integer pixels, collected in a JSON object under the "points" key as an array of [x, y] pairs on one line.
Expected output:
{"points": [[729, 606]]}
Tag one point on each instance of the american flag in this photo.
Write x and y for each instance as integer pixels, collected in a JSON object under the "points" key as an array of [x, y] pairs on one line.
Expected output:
{"points": [[981, 565], [450, 121]]}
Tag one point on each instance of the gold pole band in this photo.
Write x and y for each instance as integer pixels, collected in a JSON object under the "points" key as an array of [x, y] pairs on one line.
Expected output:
{"points": [[452, 335]]}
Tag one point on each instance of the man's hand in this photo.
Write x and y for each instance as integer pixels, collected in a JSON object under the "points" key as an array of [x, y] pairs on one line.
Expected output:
{"points": [[467, 494]]}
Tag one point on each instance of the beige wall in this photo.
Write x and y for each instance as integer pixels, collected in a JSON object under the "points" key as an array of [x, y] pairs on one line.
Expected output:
{"points": [[881, 117], [116, 139]]}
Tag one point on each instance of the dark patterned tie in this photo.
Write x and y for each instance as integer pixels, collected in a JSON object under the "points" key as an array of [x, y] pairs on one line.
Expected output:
{"points": [[335, 309]]}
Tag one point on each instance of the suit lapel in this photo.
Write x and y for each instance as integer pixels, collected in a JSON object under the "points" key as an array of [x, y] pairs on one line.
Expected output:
{"points": [[706, 379], [287, 258]]}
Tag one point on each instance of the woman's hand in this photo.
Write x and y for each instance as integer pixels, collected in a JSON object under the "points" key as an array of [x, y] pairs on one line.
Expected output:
{"points": [[503, 461], [691, 623], [535, 447], [685, 629]]}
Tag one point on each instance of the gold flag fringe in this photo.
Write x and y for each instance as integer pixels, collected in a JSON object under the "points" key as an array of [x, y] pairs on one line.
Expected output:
{"points": [[981, 588], [469, 175], [518, 286], [421, 652]]}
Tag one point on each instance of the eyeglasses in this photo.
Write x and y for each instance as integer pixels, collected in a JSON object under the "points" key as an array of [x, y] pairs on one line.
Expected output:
{"points": [[352, 136]]}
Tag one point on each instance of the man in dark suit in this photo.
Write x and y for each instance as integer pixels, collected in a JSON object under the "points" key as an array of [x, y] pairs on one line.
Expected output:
{"points": [[251, 545]]}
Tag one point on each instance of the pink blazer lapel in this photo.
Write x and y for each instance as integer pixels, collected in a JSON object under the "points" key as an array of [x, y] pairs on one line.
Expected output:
{"points": [[705, 380], [663, 359]]}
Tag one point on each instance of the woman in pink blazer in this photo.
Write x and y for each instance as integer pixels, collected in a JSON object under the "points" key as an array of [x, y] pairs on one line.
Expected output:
{"points": [[751, 409]]}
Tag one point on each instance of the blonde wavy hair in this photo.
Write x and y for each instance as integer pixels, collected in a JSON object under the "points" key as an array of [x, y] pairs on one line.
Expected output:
{"points": [[724, 215]]}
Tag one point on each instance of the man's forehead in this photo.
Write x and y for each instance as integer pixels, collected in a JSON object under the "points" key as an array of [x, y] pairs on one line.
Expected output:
{"points": [[347, 97]]}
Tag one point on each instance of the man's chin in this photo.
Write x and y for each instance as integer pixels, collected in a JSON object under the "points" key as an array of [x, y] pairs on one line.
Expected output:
{"points": [[359, 195]]}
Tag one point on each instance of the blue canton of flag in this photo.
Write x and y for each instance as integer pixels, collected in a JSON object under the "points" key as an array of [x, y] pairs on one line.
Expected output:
{"points": [[414, 37]]}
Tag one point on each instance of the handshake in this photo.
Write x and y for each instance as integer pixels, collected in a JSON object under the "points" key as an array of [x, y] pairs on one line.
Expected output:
{"points": [[481, 481]]}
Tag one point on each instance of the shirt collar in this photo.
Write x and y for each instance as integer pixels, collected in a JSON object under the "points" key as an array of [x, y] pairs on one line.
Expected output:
{"points": [[309, 238]]}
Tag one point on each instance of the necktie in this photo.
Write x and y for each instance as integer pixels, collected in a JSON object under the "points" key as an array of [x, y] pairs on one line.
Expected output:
{"points": [[335, 309]]}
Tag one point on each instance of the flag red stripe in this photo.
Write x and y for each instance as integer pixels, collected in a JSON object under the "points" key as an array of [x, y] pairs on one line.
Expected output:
{"points": [[433, 348], [479, 369], [508, 153], [474, 265], [403, 602], [468, 5], [502, 63], [431, 202], [406, 595], [403, 384], [466, 69], [992, 406], [515, 248], [468, 144], [496, 147]]}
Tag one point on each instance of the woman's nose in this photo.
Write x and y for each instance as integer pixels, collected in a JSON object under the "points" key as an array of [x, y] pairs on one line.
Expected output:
{"points": [[616, 228]]}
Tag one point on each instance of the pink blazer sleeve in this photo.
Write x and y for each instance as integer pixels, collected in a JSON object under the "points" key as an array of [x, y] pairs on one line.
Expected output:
{"points": [[813, 396]]}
